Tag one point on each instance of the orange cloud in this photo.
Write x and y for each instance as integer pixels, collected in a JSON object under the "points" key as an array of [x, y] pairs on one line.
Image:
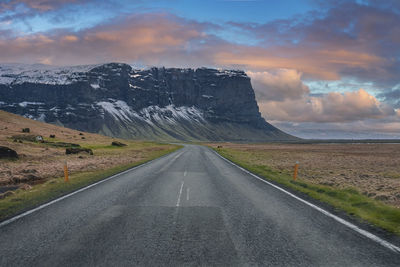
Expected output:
{"points": [[350, 58], [69, 38], [161, 39], [321, 64], [147, 38]]}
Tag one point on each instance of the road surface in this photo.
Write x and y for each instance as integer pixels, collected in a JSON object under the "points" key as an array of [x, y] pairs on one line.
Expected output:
{"points": [[188, 208]]}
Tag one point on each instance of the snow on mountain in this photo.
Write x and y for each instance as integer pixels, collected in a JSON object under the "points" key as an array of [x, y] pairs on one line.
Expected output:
{"points": [[40, 73], [118, 109], [118, 100], [170, 114]]}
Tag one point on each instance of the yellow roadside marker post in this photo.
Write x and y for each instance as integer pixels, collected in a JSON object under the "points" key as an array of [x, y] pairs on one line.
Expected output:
{"points": [[296, 168], [66, 172]]}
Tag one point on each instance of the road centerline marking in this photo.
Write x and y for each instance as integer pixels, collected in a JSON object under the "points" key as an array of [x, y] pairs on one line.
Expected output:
{"points": [[178, 202], [187, 193], [185, 173]]}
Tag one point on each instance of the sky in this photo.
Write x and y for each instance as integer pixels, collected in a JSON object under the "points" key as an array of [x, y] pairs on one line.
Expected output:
{"points": [[320, 69]]}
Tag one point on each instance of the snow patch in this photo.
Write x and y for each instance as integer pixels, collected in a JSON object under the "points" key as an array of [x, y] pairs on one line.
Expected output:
{"points": [[169, 114], [135, 87], [118, 109], [41, 118], [207, 96], [231, 73], [26, 103], [29, 116]]}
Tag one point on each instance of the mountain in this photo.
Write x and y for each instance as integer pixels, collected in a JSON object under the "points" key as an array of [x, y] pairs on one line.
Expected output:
{"points": [[158, 103]]}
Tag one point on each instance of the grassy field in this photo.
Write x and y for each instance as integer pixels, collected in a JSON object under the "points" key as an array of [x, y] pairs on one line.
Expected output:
{"points": [[22, 199], [37, 175], [263, 160]]}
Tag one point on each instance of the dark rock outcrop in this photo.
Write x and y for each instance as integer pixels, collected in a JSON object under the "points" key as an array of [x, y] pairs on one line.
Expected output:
{"points": [[116, 143], [30, 178], [8, 153], [77, 150], [157, 103]]}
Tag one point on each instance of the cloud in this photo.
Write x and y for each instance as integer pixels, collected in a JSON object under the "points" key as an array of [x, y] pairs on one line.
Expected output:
{"points": [[391, 96], [40, 5], [347, 40], [150, 38], [282, 96], [69, 38], [330, 107], [366, 129], [317, 64], [33, 15], [342, 39], [278, 85]]}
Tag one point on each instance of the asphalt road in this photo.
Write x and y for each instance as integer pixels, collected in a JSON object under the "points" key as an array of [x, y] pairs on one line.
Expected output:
{"points": [[188, 208]]}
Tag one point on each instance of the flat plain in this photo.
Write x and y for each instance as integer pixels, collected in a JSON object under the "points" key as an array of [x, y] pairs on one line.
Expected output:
{"points": [[359, 179], [372, 169]]}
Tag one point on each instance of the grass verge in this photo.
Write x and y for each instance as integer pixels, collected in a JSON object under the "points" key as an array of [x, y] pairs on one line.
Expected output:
{"points": [[23, 200], [348, 200]]}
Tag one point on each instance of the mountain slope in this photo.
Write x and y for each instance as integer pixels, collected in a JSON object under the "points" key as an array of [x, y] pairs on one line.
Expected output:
{"points": [[157, 103]]}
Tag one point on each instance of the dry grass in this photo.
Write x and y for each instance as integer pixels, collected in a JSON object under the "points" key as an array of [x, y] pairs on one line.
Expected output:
{"points": [[46, 162], [349, 177], [372, 169]]}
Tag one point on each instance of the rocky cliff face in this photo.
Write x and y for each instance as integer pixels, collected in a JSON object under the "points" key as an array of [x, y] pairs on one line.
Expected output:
{"points": [[157, 103]]}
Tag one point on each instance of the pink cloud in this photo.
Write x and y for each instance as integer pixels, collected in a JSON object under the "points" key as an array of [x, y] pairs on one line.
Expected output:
{"points": [[69, 38], [318, 64], [331, 107], [162, 39], [278, 85], [150, 38]]}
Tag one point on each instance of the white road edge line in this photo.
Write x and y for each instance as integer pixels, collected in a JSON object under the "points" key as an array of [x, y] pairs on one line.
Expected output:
{"points": [[169, 163], [178, 202], [177, 156], [4, 223], [187, 193], [327, 213]]}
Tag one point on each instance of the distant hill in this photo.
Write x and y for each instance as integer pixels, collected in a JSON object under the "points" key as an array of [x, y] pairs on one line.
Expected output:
{"points": [[158, 103]]}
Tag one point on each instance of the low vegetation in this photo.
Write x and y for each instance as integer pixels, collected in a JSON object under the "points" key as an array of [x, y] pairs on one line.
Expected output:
{"points": [[37, 174], [346, 197]]}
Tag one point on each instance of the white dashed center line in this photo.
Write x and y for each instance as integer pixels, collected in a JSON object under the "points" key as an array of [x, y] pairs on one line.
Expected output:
{"points": [[178, 202]]}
